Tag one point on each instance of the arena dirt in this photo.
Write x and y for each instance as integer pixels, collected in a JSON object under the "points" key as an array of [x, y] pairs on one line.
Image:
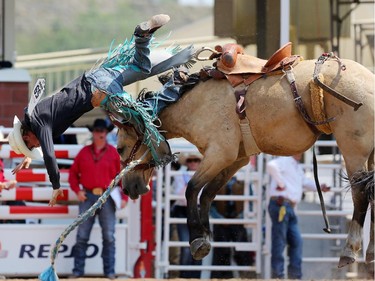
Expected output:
{"points": [[151, 279]]}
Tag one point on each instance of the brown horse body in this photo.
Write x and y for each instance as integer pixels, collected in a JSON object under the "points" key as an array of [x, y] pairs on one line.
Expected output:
{"points": [[206, 117]]}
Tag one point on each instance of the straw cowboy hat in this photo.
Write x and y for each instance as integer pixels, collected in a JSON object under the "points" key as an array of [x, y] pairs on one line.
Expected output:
{"points": [[18, 145], [183, 159]]}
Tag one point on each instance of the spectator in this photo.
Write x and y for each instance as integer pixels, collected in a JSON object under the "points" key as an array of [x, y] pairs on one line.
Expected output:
{"points": [[179, 210], [102, 160], [103, 87], [230, 232], [286, 188]]}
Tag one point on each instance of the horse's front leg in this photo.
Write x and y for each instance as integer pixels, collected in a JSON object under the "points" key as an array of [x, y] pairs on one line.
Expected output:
{"points": [[212, 188], [199, 245]]}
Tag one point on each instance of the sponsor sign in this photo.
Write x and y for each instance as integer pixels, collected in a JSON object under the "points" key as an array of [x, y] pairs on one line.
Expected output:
{"points": [[25, 250]]}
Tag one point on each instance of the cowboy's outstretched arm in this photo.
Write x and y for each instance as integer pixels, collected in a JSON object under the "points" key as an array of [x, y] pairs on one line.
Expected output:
{"points": [[25, 163], [46, 143]]}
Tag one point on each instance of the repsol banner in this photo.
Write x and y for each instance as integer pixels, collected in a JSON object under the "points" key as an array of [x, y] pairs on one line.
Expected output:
{"points": [[25, 250]]}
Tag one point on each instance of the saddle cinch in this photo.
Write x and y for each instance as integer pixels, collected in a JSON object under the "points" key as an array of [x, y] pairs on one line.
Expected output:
{"points": [[241, 68]]}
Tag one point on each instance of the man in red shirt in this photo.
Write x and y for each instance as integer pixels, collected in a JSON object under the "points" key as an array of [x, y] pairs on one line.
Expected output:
{"points": [[91, 173]]}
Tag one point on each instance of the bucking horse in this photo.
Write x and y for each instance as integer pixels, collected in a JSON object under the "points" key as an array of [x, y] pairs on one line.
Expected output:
{"points": [[243, 105]]}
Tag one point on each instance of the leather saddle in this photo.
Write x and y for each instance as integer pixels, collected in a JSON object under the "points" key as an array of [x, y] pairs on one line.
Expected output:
{"points": [[241, 68]]}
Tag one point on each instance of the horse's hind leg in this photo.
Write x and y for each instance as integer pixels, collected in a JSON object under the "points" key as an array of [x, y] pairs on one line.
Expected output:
{"points": [[371, 245], [358, 181]]}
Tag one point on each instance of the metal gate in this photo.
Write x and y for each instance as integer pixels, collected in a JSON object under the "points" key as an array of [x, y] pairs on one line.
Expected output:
{"points": [[252, 218]]}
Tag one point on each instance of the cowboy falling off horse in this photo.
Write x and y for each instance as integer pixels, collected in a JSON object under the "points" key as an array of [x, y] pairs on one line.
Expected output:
{"points": [[101, 87], [278, 106]]}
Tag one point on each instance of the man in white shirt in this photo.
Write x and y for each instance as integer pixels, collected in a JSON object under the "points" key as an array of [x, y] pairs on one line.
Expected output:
{"points": [[286, 187]]}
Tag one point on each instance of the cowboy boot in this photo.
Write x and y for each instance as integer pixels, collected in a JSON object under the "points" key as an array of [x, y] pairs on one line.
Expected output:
{"points": [[147, 28]]}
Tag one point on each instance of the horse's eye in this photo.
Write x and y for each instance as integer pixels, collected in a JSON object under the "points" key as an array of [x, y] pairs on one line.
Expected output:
{"points": [[120, 150]]}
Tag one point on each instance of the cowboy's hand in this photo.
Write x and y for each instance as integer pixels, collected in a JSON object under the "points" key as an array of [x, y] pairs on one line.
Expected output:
{"points": [[24, 164], [56, 193]]}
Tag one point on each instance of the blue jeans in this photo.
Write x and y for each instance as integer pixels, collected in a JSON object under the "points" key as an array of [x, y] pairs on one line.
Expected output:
{"points": [[285, 233], [183, 235], [112, 80], [107, 221]]}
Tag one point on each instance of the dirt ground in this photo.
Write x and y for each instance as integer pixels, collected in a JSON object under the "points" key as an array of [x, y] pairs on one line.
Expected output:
{"points": [[152, 279]]}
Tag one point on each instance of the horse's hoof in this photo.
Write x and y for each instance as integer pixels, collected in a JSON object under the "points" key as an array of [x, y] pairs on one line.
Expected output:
{"points": [[344, 261], [200, 248], [370, 258]]}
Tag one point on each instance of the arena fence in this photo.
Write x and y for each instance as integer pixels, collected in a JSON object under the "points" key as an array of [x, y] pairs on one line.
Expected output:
{"points": [[142, 232]]}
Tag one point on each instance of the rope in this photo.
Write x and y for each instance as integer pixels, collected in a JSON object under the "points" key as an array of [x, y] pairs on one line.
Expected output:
{"points": [[49, 274]]}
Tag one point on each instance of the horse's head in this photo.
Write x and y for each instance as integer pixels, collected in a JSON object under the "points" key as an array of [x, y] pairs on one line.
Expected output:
{"points": [[130, 147]]}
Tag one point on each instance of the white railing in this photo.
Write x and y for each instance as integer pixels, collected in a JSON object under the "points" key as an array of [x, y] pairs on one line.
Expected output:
{"points": [[252, 219]]}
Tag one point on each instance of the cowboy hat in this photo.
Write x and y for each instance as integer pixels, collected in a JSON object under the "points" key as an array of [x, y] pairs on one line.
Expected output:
{"points": [[18, 145], [101, 124], [185, 157]]}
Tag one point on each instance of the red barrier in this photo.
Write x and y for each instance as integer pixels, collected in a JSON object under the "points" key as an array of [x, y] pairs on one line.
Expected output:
{"points": [[36, 194], [61, 151], [38, 210], [34, 175]]}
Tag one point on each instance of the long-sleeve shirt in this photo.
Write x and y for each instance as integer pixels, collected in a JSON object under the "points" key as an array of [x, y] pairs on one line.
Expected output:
{"points": [[286, 172], [53, 115], [91, 169]]}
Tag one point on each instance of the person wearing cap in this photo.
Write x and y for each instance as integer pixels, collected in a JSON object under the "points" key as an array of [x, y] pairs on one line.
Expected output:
{"points": [[102, 87], [102, 160], [179, 210]]}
